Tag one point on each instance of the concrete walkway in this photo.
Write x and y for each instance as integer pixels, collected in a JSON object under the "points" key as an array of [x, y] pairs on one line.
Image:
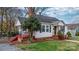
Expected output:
{"points": [[73, 41], [7, 47]]}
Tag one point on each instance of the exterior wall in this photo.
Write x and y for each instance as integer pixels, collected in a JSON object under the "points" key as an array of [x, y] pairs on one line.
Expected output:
{"points": [[19, 29], [18, 25], [66, 30], [17, 22], [72, 31], [61, 24], [39, 34], [77, 29], [58, 28]]}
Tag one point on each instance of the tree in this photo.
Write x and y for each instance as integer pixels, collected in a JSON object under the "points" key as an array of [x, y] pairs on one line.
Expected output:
{"points": [[36, 10], [3, 14], [8, 14], [32, 24], [6, 26], [41, 10]]}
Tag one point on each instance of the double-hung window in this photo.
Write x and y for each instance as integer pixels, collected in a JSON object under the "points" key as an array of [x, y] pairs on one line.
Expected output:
{"points": [[48, 28], [43, 28]]}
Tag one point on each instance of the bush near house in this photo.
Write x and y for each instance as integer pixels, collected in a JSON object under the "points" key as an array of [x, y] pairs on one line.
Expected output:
{"points": [[77, 34], [12, 33], [69, 34], [60, 35]]}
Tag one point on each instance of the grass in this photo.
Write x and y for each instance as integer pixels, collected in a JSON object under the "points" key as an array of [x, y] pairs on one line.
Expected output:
{"points": [[51, 46]]}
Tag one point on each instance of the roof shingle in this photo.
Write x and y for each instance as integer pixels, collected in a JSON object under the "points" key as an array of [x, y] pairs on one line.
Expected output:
{"points": [[41, 18]]}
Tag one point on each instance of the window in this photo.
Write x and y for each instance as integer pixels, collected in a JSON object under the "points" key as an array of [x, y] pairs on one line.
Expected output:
{"points": [[62, 28], [47, 29], [43, 28]]}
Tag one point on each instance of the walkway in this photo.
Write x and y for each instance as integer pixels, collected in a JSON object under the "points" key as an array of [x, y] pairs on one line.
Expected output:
{"points": [[75, 41], [7, 47]]}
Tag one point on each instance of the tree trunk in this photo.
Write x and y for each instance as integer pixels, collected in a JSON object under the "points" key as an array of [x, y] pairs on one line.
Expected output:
{"points": [[31, 35], [30, 13]]}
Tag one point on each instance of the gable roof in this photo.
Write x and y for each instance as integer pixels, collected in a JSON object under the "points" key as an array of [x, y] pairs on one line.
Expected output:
{"points": [[21, 19], [41, 18]]}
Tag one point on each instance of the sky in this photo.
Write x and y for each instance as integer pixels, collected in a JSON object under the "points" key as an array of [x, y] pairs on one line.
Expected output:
{"points": [[67, 14]]}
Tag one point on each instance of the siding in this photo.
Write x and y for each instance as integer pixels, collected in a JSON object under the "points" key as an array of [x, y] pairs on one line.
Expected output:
{"points": [[39, 34]]}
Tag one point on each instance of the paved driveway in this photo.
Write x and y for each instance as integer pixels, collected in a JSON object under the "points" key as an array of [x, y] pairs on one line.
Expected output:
{"points": [[7, 47]]}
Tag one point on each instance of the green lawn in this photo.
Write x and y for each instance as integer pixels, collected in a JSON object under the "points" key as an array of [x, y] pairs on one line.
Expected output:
{"points": [[51, 46]]}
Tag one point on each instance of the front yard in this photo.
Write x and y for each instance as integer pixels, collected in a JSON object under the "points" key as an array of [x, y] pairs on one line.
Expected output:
{"points": [[54, 45]]}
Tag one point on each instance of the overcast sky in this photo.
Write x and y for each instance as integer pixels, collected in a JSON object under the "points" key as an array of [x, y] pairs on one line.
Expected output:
{"points": [[68, 14]]}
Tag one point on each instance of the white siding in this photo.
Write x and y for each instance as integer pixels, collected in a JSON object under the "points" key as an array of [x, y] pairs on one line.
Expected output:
{"points": [[39, 34], [61, 23], [73, 32], [18, 25], [66, 30]]}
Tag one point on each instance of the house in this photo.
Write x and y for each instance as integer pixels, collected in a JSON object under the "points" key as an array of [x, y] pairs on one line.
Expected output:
{"points": [[73, 28], [49, 26]]}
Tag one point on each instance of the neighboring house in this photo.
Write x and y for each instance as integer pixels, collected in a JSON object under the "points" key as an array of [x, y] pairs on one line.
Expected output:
{"points": [[18, 25], [73, 28], [49, 26]]}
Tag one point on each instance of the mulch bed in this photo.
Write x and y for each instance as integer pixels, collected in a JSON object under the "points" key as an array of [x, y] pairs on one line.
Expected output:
{"points": [[25, 41]]}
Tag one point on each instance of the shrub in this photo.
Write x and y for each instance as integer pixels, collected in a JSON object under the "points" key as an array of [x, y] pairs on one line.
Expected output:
{"points": [[60, 35], [77, 33], [12, 33], [69, 34]]}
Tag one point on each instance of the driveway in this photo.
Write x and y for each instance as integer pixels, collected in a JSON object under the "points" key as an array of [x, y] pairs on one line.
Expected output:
{"points": [[7, 47]]}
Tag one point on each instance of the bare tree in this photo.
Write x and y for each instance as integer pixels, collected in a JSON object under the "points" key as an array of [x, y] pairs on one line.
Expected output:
{"points": [[36, 10], [7, 14]]}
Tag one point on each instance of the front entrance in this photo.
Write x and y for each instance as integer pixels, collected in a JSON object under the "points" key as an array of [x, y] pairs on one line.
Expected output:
{"points": [[55, 30]]}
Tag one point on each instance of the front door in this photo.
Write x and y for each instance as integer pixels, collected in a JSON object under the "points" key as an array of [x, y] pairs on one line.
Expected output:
{"points": [[55, 30]]}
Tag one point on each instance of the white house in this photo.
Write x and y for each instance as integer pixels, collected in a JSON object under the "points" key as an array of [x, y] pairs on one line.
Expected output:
{"points": [[49, 26], [18, 25]]}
